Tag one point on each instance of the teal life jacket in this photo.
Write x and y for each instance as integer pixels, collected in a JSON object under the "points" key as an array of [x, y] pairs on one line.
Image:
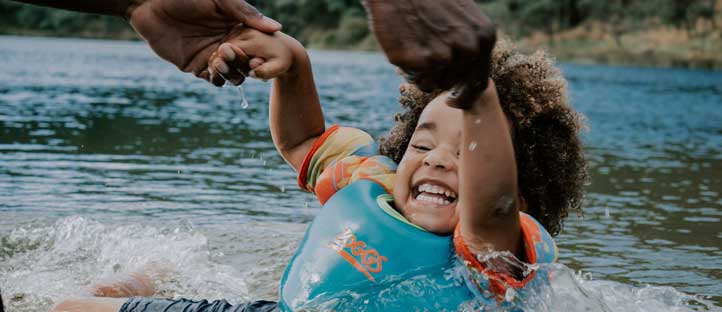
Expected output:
{"points": [[357, 257]]}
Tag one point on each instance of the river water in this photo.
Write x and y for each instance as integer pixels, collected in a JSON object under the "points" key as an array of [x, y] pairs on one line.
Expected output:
{"points": [[111, 160]]}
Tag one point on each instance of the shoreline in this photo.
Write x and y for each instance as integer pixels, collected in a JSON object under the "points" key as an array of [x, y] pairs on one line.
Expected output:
{"points": [[567, 50]]}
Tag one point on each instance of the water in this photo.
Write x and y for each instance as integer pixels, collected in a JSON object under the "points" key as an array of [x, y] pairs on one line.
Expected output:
{"points": [[111, 160]]}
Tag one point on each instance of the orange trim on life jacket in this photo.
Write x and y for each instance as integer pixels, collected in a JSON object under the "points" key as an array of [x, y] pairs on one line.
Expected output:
{"points": [[498, 280]]}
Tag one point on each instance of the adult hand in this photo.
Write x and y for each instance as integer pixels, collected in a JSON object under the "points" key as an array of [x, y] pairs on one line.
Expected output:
{"points": [[437, 44], [187, 32]]}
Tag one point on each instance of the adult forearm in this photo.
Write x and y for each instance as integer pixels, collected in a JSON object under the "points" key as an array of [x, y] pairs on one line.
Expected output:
{"points": [[296, 118], [121, 8]]}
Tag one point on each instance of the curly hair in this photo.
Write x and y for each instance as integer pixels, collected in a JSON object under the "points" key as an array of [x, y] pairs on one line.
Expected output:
{"points": [[550, 162]]}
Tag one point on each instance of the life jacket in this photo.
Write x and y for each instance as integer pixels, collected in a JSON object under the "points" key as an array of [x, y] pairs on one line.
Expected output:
{"points": [[357, 257]]}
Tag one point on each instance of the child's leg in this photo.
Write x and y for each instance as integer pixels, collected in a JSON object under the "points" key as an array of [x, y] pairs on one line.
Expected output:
{"points": [[140, 283], [90, 304], [185, 305], [130, 285]]}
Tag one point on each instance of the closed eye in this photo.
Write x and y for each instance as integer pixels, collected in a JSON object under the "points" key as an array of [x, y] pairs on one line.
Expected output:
{"points": [[422, 148]]}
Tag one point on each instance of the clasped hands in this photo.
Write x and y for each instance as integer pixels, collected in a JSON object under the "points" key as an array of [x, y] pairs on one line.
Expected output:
{"points": [[434, 43]]}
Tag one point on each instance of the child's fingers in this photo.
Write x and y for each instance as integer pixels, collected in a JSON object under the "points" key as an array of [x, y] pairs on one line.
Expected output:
{"points": [[255, 62], [213, 72], [216, 78], [222, 62], [269, 69], [235, 58]]}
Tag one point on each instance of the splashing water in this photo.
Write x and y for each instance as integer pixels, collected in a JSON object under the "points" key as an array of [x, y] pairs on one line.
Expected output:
{"points": [[563, 290], [42, 265]]}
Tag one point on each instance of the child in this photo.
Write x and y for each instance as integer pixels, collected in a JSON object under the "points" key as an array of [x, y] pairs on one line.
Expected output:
{"points": [[481, 171]]}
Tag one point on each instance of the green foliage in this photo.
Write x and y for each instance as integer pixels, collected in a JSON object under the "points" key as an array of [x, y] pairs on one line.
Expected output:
{"points": [[520, 17], [342, 23], [323, 23], [16, 18]]}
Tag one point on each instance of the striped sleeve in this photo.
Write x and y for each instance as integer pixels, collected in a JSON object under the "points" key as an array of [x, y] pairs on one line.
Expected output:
{"points": [[334, 144]]}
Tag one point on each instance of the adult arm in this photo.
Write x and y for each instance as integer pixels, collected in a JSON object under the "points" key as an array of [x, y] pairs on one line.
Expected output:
{"points": [[184, 33], [435, 42]]}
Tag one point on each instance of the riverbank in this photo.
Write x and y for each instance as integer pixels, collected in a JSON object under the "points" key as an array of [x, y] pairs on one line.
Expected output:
{"points": [[659, 47], [589, 44]]}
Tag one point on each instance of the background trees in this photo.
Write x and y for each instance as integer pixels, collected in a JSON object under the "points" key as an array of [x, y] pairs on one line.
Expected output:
{"points": [[689, 28]]}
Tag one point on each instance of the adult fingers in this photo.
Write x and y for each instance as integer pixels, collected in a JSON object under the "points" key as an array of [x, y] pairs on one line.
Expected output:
{"points": [[213, 76], [474, 33], [205, 75], [245, 13], [464, 94], [237, 81]]}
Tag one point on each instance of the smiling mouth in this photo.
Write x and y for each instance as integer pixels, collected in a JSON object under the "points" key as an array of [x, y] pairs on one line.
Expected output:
{"points": [[433, 194]]}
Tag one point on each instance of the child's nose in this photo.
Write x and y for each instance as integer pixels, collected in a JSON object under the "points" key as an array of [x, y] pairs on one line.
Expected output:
{"points": [[440, 159]]}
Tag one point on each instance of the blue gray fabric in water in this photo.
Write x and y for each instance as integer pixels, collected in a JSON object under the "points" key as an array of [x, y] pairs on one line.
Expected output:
{"points": [[138, 304]]}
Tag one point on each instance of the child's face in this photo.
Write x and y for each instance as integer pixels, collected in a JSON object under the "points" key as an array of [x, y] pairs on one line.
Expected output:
{"points": [[427, 183]]}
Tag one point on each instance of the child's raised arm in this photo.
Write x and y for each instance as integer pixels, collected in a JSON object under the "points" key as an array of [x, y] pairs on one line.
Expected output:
{"points": [[296, 119], [489, 200], [295, 115]]}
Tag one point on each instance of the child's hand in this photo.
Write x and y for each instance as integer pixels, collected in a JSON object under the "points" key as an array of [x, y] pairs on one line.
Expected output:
{"points": [[254, 54]]}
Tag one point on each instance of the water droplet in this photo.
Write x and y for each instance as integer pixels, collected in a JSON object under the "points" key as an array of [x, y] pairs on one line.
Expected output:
{"points": [[510, 294], [606, 212], [472, 145], [283, 189], [244, 102]]}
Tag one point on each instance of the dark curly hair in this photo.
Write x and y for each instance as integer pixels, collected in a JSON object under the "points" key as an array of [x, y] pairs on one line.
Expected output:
{"points": [[533, 94]]}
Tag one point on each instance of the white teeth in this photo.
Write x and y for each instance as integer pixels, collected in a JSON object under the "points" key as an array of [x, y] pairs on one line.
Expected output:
{"points": [[436, 189], [432, 199]]}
